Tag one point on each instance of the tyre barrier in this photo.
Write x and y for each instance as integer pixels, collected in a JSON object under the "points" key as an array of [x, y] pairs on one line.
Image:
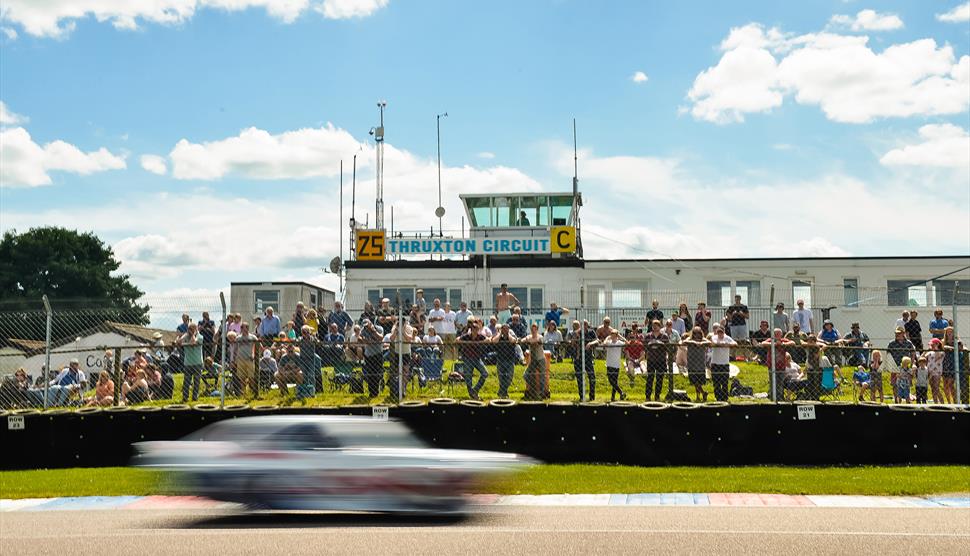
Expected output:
{"points": [[236, 407], [26, 411], [714, 405], [537, 402], [684, 405], [942, 408], [147, 409], [117, 409], [868, 403], [838, 402], [623, 403], [88, 410], [58, 411], [654, 406], [592, 404], [176, 407], [501, 402], [473, 403], [412, 403], [560, 403], [442, 401], [205, 407], [265, 407]]}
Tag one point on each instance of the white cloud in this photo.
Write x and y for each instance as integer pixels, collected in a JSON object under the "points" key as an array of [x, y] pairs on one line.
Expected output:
{"points": [[486, 155], [25, 163], [639, 77], [7, 117], [154, 164], [10, 32], [346, 9], [867, 20], [959, 14], [941, 145], [841, 74], [57, 18]]}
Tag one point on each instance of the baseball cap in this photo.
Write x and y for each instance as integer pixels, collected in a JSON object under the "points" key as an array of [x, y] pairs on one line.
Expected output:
{"points": [[899, 330]]}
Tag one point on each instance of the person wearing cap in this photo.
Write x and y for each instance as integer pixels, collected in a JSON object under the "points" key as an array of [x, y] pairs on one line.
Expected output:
{"points": [[504, 301], [856, 340], [938, 324], [585, 339], [901, 347], [780, 320], [830, 336], [803, 317]]}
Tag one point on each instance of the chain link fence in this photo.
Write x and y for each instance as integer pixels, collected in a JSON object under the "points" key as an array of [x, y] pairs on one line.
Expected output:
{"points": [[92, 354]]}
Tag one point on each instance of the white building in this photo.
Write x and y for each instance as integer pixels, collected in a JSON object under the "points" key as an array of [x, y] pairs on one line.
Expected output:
{"points": [[252, 298], [870, 290]]}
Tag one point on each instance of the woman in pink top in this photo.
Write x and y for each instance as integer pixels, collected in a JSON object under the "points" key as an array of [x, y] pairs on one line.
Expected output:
{"points": [[934, 362]]}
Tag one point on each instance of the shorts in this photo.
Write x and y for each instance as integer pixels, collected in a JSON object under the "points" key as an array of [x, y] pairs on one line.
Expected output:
{"points": [[245, 369], [739, 332], [504, 316], [902, 390], [697, 378], [634, 367]]}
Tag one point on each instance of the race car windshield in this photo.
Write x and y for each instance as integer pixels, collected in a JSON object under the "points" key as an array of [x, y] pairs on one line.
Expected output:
{"points": [[377, 435]]}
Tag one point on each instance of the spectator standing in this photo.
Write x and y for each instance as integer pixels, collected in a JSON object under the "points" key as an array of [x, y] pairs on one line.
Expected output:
{"points": [[901, 321], [535, 373], [385, 314], [758, 338], [938, 324], [950, 345], [312, 321], [934, 365], [875, 376], [372, 336], [235, 323], [207, 328], [436, 317], [504, 301], [184, 327], [684, 313], [401, 338], [721, 345], [340, 317], [552, 340], [504, 345], [635, 363], [192, 345], [613, 346], [901, 347], [462, 316], [420, 302], [780, 320], [245, 359], [518, 327], [472, 347], [777, 358], [367, 314], [449, 332], [904, 379], [697, 345], [678, 324], [585, 340], [914, 330], [555, 313], [803, 317], [654, 313], [270, 327], [655, 344], [921, 380], [737, 318], [299, 317], [856, 340], [702, 317]]}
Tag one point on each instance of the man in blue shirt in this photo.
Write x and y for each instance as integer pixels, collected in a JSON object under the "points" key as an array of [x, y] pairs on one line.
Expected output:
{"points": [[184, 327], [69, 380], [555, 313], [340, 317], [938, 324], [270, 326]]}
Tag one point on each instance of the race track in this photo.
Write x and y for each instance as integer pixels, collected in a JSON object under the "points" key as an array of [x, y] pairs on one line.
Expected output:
{"points": [[494, 530]]}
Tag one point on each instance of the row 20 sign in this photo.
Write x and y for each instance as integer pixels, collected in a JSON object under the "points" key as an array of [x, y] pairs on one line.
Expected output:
{"points": [[373, 245]]}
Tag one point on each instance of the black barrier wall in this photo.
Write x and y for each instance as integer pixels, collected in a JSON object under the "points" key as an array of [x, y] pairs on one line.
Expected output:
{"points": [[682, 434]]}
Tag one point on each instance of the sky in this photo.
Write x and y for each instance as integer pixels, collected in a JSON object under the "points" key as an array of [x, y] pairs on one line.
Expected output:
{"points": [[202, 139]]}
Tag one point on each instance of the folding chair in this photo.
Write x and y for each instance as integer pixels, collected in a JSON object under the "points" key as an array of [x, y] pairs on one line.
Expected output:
{"points": [[457, 375], [831, 383], [343, 372], [433, 368]]}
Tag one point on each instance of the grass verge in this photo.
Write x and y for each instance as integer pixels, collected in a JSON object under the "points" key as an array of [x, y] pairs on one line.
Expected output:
{"points": [[561, 479]]}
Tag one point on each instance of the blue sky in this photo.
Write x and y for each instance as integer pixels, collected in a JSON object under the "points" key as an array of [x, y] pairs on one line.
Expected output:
{"points": [[773, 121]]}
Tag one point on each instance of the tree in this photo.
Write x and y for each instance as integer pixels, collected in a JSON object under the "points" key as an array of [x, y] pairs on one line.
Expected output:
{"points": [[75, 270]]}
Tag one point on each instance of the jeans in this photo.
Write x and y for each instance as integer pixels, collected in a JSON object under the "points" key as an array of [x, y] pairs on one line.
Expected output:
{"points": [[191, 374], [506, 371], [590, 375], [57, 395], [470, 366], [613, 375], [719, 379], [373, 369], [655, 379]]}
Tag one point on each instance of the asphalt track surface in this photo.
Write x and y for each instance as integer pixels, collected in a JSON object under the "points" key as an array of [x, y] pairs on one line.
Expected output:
{"points": [[495, 530]]}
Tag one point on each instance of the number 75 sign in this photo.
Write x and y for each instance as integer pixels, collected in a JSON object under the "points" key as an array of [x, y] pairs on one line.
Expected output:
{"points": [[370, 245]]}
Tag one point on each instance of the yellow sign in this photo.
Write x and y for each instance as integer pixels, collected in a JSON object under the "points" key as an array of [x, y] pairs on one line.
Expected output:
{"points": [[370, 245], [562, 239]]}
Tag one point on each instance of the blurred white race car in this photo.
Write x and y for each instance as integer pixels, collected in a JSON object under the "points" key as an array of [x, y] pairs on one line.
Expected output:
{"points": [[323, 463]]}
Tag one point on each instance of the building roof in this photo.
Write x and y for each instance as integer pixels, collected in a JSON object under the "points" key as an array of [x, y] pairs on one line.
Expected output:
{"points": [[24, 344], [307, 284], [139, 333]]}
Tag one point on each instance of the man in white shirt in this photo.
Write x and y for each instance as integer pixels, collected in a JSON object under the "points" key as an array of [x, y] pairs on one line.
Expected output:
{"points": [[613, 345], [552, 340], [461, 318], [448, 332], [721, 362], [803, 317], [436, 317]]}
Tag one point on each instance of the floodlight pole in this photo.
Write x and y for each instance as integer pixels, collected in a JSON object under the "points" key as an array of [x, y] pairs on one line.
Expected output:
{"points": [[957, 356], [340, 252], [222, 358], [47, 349], [774, 364]]}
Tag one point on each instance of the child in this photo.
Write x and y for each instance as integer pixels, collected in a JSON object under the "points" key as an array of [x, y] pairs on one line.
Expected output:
{"points": [[875, 375], [922, 380], [862, 380], [903, 380]]}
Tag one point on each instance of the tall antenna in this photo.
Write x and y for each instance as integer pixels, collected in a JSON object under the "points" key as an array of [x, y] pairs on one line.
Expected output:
{"points": [[378, 134], [575, 175]]}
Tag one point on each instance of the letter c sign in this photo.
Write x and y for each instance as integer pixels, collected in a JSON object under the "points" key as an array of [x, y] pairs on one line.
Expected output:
{"points": [[562, 239]]}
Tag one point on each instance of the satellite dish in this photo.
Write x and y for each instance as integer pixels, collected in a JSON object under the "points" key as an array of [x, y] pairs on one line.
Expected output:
{"points": [[439, 212], [335, 265]]}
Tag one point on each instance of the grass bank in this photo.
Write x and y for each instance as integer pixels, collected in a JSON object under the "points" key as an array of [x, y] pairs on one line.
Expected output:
{"points": [[561, 479]]}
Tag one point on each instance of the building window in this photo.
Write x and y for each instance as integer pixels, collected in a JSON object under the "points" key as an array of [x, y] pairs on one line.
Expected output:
{"points": [[850, 292], [943, 292], [407, 297], [801, 290], [535, 299], [430, 294], [718, 293], [374, 296], [529, 298], [750, 292], [454, 297], [903, 293], [265, 298], [630, 295]]}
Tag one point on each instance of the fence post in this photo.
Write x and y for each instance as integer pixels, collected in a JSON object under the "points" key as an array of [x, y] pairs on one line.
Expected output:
{"points": [[772, 372], [582, 349], [47, 349], [222, 358], [116, 364], [400, 348], [957, 356]]}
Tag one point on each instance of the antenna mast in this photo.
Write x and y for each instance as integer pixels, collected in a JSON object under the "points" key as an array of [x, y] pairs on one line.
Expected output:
{"points": [[379, 139]]}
